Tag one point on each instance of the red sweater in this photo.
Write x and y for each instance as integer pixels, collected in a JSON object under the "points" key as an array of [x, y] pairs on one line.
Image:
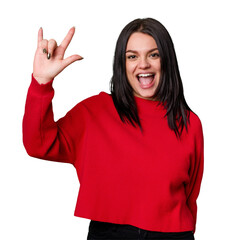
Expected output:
{"points": [[147, 179]]}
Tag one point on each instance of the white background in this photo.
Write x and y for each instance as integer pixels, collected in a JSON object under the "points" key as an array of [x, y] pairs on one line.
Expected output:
{"points": [[38, 197]]}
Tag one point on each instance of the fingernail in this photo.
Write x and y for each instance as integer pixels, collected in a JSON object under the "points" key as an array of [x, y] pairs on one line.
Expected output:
{"points": [[49, 56], [44, 50], [81, 58]]}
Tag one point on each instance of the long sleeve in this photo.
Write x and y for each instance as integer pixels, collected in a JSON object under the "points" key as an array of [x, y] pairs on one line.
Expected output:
{"points": [[114, 159], [196, 172], [42, 136]]}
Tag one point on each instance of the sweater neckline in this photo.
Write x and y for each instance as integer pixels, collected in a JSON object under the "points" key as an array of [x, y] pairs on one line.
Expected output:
{"points": [[147, 107]]}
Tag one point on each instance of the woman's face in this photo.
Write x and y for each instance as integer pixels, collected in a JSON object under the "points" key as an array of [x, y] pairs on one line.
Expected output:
{"points": [[143, 66]]}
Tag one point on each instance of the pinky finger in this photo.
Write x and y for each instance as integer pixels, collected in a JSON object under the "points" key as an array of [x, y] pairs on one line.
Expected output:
{"points": [[40, 35]]}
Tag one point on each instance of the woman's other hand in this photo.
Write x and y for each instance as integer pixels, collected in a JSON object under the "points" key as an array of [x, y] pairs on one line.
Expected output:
{"points": [[49, 58]]}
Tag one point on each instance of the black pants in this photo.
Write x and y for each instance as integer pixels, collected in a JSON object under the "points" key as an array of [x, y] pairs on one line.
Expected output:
{"points": [[111, 231]]}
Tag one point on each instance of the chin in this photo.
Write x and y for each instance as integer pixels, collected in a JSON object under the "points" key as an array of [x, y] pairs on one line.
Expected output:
{"points": [[144, 95]]}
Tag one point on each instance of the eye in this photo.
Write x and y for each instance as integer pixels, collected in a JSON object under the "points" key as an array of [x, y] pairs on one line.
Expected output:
{"points": [[131, 57], [154, 55]]}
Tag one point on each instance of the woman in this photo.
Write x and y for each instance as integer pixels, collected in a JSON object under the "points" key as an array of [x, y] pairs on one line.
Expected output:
{"points": [[138, 152]]}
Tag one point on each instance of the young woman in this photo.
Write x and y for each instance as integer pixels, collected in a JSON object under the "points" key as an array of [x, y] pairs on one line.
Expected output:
{"points": [[138, 151]]}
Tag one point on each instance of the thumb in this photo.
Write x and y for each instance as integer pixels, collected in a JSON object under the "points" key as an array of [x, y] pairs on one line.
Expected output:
{"points": [[69, 60]]}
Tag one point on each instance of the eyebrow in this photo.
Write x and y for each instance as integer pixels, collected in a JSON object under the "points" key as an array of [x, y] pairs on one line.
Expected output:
{"points": [[134, 51]]}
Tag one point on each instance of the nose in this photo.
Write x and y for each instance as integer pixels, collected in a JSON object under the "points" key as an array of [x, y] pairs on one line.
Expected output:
{"points": [[144, 63]]}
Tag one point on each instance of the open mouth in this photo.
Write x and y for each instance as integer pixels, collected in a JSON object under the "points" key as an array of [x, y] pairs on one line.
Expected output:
{"points": [[146, 79]]}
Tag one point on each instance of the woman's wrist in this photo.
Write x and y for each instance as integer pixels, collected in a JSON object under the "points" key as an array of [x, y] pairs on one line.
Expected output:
{"points": [[42, 80]]}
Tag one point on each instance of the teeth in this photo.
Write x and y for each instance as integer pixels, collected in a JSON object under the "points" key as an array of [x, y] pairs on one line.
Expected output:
{"points": [[145, 75]]}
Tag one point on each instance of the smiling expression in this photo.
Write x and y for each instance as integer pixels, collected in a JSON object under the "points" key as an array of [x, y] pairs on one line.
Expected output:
{"points": [[143, 67]]}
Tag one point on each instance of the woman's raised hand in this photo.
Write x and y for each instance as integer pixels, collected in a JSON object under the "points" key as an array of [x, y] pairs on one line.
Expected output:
{"points": [[49, 58]]}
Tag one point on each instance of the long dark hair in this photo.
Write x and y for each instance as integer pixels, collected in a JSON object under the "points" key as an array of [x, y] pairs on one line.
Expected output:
{"points": [[170, 88]]}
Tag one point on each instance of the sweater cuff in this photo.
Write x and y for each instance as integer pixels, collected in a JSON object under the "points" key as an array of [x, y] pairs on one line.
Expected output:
{"points": [[41, 88]]}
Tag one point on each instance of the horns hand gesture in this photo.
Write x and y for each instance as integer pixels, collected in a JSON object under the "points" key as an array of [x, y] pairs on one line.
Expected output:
{"points": [[49, 58]]}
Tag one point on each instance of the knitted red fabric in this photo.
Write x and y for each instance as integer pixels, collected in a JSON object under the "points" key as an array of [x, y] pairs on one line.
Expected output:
{"points": [[147, 179]]}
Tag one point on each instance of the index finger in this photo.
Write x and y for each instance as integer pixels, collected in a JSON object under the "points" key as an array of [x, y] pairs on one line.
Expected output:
{"points": [[68, 38], [40, 35]]}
